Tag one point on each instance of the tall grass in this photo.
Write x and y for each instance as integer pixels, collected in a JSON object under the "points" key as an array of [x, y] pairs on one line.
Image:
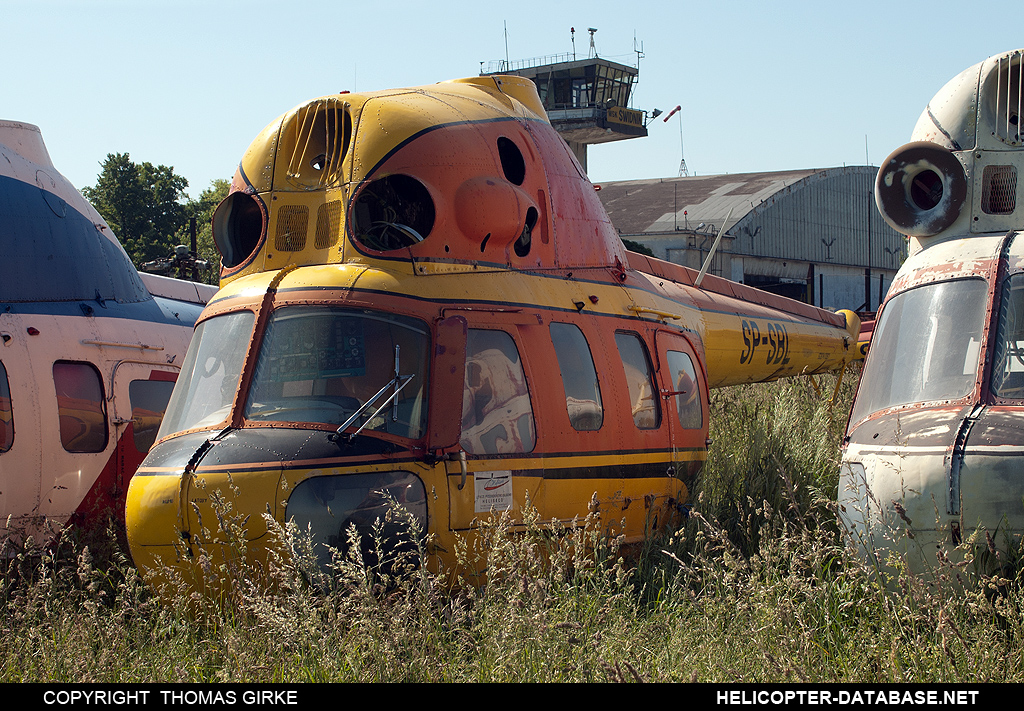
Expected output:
{"points": [[757, 586]]}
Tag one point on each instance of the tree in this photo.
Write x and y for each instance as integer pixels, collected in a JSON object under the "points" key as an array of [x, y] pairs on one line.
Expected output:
{"points": [[637, 247], [202, 210], [142, 203]]}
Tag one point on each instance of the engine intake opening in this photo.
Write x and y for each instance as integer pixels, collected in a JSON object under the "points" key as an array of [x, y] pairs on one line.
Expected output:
{"points": [[392, 213], [926, 189], [920, 189], [238, 228]]}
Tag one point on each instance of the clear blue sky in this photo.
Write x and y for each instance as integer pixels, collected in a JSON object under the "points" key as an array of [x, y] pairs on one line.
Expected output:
{"points": [[763, 86]]}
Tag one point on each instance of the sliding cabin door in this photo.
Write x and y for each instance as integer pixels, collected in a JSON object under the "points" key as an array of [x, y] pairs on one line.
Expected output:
{"points": [[498, 430], [684, 396]]}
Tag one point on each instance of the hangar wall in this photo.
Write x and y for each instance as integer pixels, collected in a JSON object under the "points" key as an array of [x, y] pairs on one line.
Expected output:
{"points": [[815, 235]]}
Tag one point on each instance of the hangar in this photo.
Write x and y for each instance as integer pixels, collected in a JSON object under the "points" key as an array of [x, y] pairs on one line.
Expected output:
{"points": [[814, 235]]}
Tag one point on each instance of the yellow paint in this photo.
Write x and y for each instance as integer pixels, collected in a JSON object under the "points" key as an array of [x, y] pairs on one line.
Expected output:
{"points": [[509, 246]]}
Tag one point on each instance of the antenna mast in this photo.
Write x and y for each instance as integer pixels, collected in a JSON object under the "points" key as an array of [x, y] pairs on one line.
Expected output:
{"points": [[683, 171], [507, 67], [639, 55]]}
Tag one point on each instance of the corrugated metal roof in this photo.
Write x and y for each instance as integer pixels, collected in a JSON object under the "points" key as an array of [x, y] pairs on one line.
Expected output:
{"points": [[657, 205], [817, 215]]}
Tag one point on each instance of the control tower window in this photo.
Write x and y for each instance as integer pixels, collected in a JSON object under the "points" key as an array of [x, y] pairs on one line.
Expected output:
{"points": [[593, 85]]}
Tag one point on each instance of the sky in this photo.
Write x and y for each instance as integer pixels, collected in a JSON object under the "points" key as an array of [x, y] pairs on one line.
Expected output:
{"points": [[763, 86]]}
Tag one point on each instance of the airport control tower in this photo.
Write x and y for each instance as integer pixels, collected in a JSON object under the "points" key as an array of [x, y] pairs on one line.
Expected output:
{"points": [[587, 100]]}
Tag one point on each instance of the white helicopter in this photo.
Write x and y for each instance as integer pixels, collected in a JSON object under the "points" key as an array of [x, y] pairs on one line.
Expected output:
{"points": [[934, 449], [89, 347]]}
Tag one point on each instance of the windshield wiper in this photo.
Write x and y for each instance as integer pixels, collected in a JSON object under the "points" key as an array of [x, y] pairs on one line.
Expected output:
{"points": [[398, 383]]}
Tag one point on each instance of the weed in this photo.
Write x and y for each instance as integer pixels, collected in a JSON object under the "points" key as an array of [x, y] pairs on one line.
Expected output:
{"points": [[759, 585]]}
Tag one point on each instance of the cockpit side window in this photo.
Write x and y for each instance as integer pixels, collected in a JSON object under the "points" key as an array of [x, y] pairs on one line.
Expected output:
{"points": [[926, 348], [497, 416], [6, 413], [1008, 363], [209, 375]]}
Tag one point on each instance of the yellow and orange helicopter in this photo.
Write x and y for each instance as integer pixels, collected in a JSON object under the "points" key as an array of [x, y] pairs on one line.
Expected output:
{"points": [[423, 299]]}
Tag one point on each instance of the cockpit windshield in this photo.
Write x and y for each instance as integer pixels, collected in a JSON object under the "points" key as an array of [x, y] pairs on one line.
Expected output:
{"points": [[323, 364], [209, 375], [926, 347]]}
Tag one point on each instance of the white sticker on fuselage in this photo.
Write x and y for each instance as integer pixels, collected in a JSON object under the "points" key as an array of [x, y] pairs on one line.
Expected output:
{"points": [[493, 491]]}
